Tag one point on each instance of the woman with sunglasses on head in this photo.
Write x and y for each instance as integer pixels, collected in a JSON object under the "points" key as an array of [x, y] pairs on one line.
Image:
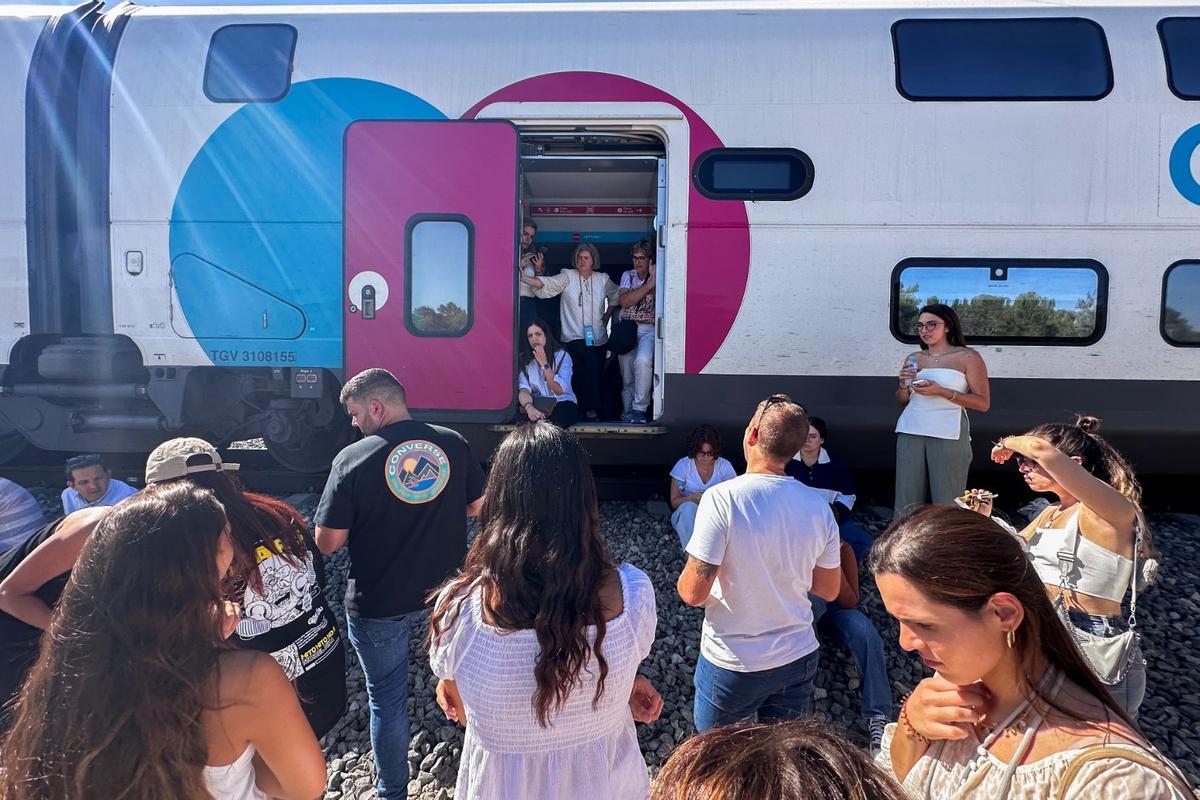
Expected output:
{"points": [[938, 383], [588, 299], [135, 693], [1013, 709], [701, 469], [544, 385], [1098, 519]]}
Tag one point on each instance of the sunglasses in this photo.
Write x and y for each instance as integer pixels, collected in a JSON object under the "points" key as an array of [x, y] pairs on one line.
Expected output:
{"points": [[772, 400]]}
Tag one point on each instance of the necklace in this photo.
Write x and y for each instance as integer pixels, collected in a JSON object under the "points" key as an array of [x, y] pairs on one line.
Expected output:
{"points": [[937, 359], [1059, 512]]}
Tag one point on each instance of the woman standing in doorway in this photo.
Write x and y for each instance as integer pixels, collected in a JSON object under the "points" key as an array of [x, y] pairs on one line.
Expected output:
{"points": [[584, 292], [938, 383]]}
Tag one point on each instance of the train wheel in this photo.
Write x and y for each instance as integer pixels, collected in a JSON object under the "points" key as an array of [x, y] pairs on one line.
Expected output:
{"points": [[305, 442], [12, 443]]}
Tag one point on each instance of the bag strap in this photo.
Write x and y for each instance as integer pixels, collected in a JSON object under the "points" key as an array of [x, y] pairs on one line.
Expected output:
{"points": [[1163, 768]]}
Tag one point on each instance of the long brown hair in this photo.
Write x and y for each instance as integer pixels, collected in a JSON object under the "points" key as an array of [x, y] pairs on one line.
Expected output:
{"points": [[112, 708], [961, 558], [796, 760], [539, 559], [954, 332], [254, 519]]}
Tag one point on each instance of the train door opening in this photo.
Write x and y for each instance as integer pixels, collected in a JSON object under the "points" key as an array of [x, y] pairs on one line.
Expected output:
{"points": [[608, 189]]}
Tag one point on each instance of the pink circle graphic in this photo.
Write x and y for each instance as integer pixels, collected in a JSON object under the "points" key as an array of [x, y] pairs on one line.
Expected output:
{"points": [[718, 251]]}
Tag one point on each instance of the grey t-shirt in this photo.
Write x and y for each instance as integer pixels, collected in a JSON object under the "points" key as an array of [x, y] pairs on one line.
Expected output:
{"points": [[767, 533]]}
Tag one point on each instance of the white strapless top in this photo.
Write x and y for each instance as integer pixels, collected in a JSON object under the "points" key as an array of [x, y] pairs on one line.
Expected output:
{"points": [[930, 415], [234, 781]]}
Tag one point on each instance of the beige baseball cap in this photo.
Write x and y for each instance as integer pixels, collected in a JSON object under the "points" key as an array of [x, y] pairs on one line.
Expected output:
{"points": [[170, 459]]}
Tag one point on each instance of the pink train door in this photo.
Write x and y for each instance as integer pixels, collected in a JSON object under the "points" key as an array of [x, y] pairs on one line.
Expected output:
{"points": [[430, 254]]}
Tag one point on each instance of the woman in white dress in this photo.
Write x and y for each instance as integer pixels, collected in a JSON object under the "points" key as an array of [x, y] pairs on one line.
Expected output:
{"points": [[701, 469], [134, 691], [937, 384], [1012, 710], [538, 639]]}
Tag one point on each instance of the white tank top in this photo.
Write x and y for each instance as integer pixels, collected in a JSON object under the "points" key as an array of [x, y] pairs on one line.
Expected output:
{"points": [[930, 415], [1097, 571], [234, 781]]}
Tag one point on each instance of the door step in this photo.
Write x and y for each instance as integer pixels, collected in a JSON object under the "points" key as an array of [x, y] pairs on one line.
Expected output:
{"points": [[600, 429]]}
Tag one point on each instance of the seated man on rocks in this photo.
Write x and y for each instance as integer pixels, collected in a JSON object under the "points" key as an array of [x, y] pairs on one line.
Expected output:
{"points": [[816, 468], [90, 484]]}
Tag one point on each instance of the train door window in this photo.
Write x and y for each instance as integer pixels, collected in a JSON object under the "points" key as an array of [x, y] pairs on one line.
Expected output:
{"points": [[1180, 321], [440, 256], [1180, 38], [1001, 59], [753, 173], [1005, 301], [250, 63]]}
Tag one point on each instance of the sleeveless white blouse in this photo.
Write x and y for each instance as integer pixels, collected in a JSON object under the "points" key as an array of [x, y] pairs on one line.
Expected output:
{"points": [[930, 415]]}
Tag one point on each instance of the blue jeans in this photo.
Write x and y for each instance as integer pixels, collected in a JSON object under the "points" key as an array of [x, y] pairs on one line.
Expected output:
{"points": [[851, 629], [859, 540], [724, 696], [683, 520], [382, 647]]}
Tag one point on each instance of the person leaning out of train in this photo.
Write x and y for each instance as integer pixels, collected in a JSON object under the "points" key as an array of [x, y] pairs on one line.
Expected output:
{"points": [[637, 309], [938, 383], [532, 263], [701, 469], [1013, 709], [587, 298], [817, 469], [544, 386], [1097, 520]]}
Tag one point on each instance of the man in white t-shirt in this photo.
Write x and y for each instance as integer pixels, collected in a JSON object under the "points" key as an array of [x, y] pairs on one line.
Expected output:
{"points": [[762, 542]]}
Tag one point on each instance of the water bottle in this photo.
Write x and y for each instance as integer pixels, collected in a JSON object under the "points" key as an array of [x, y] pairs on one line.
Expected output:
{"points": [[911, 361]]}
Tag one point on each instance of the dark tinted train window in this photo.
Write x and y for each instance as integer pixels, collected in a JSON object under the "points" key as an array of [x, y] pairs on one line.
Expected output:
{"points": [[1019, 301], [250, 63], [1181, 48], [753, 173], [1181, 304], [441, 259], [1001, 59]]}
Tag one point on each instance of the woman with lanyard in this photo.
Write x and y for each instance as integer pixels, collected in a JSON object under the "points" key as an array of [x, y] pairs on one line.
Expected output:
{"points": [[1013, 709], [584, 291], [1098, 522], [938, 383]]}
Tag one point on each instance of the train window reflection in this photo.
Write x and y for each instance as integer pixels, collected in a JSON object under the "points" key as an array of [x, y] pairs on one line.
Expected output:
{"points": [[1181, 304], [1020, 301], [1002, 59], [1181, 47], [250, 63], [438, 274]]}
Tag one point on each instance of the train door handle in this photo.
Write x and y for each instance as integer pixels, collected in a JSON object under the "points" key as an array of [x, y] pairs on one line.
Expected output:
{"points": [[367, 303]]}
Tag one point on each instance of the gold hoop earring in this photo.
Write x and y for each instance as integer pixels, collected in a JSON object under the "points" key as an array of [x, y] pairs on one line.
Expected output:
{"points": [[1011, 638]]}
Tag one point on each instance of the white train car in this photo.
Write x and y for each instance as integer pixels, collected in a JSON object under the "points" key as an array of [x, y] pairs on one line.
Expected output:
{"points": [[278, 197]]}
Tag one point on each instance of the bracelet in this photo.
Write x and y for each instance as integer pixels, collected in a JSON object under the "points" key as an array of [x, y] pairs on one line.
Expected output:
{"points": [[526, 406], [904, 722], [953, 395]]}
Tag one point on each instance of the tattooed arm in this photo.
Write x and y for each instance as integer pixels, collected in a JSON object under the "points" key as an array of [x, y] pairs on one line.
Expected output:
{"points": [[696, 580]]}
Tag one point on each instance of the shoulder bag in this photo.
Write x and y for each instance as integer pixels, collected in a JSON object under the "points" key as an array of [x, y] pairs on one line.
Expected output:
{"points": [[1158, 765]]}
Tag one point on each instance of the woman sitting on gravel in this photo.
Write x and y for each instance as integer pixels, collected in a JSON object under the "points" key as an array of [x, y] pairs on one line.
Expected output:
{"points": [[538, 639], [279, 579], [794, 760], [1098, 519], [1013, 710], [702, 468], [134, 690]]}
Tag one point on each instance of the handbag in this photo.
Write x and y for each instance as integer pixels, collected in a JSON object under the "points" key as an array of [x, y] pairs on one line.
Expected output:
{"points": [[1159, 765], [623, 337], [1109, 656]]}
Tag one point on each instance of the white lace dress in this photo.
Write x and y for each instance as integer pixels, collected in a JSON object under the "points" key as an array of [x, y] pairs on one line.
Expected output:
{"points": [[584, 752]]}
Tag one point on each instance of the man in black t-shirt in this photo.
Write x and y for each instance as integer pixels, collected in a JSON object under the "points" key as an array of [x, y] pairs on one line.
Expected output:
{"points": [[398, 498]]}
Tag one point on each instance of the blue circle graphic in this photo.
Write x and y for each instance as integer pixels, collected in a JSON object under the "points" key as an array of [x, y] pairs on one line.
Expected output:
{"points": [[1181, 165]]}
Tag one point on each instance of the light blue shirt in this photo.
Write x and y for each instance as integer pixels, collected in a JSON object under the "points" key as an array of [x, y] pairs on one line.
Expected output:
{"points": [[117, 491]]}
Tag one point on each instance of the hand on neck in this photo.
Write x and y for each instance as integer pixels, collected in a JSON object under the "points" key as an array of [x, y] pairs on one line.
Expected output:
{"points": [[1008, 686]]}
